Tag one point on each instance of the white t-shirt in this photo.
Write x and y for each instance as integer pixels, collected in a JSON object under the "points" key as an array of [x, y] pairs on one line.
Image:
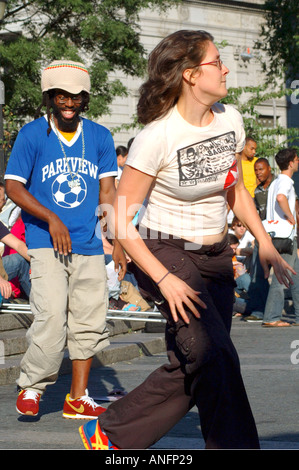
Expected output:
{"points": [[119, 172], [193, 169], [245, 242], [276, 221]]}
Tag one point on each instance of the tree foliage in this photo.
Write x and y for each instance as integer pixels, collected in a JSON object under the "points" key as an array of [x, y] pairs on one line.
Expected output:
{"points": [[280, 39], [269, 139], [104, 34]]}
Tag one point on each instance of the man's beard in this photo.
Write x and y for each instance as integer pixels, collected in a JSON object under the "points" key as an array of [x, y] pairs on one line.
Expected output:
{"points": [[66, 126]]}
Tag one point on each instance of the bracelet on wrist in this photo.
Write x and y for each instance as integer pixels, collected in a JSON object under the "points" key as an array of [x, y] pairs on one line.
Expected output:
{"points": [[168, 272]]}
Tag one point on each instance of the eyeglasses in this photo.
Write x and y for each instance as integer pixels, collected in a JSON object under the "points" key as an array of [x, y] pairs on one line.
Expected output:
{"points": [[240, 225], [77, 99], [218, 63]]}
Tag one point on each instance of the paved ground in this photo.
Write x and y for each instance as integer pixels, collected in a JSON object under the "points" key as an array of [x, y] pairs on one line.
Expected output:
{"points": [[270, 365]]}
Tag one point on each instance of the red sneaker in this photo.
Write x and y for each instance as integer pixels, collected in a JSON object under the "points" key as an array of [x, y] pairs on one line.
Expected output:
{"points": [[28, 402], [94, 438], [81, 408]]}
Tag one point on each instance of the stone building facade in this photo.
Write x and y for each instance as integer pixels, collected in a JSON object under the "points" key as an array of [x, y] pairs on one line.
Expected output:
{"points": [[237, 23]]}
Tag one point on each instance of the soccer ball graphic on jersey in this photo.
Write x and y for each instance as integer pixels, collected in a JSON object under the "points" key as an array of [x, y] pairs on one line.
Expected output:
{"points": [[68, 190]]}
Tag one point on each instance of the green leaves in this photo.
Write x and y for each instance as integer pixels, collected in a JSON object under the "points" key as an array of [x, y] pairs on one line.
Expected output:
{"points": [[21, 62], [103, 34], [279, 39], [272, 136]]}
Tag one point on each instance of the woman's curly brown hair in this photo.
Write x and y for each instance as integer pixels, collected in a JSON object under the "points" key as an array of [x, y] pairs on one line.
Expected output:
{"points": [[177, 52]]}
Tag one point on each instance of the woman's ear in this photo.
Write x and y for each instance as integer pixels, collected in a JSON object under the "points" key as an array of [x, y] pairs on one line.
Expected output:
{"points": [[188, 76]]}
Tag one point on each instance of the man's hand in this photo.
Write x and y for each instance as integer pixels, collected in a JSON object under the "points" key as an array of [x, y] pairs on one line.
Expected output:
{"points": [[290, 219], [120, 261], [60, 235]]}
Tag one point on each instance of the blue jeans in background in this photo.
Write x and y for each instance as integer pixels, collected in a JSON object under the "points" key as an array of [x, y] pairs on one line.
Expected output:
{"points": [[259, 286], [275, 301], [295, 290], [243, 283], [16, 266]]}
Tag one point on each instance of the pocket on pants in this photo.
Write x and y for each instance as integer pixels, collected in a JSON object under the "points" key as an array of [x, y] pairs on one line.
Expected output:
{"points": [[186, 344], [193, 343], [178, 266], [174, 260], [37, 266]]}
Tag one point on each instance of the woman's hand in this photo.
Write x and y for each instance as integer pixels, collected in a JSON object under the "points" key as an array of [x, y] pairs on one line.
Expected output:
{"points": [[178, 294], [270, 256]]}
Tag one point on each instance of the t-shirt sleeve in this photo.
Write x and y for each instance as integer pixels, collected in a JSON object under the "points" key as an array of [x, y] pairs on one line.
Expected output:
{"points": [[22, 158], [147, 151], [3, 230], [107, 157], [284, 187]]}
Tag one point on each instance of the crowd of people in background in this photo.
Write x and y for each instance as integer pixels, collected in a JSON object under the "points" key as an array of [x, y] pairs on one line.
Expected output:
{"points": [[252, 288], [67, 255], [258, 299]]}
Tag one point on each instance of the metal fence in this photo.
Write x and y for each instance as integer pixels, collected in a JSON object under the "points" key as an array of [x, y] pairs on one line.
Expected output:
{"points": [[150, 316]]}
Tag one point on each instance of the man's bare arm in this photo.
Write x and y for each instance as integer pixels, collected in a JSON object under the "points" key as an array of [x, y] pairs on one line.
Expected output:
{"points": [[17, 192]]}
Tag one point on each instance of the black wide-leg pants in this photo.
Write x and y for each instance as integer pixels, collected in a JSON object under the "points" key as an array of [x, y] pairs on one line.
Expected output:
{"points": [[203, 368]]}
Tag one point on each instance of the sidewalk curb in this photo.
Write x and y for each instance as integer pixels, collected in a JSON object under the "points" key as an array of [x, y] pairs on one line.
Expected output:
{"points": [[128, 340], [123, 348]]}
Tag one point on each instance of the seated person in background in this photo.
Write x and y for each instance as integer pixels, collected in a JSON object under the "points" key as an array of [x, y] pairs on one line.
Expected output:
{"points": [[246, 241], [2, 196], [123, 294], [9, 212], [14, 265], [241, 275], [18, 230]]}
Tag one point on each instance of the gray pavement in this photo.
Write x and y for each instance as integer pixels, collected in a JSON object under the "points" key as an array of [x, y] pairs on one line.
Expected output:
{"points": [[270, 365]]}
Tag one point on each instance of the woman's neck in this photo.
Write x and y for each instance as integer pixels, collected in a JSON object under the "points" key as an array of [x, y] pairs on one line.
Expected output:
{"points": [[199, 115]]}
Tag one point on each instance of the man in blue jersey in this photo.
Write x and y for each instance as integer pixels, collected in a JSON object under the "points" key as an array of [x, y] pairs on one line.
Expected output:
{"points": [[61, 168]]}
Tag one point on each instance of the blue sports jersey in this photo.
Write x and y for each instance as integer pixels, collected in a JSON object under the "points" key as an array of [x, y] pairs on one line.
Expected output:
{"points": [[37, 160]]}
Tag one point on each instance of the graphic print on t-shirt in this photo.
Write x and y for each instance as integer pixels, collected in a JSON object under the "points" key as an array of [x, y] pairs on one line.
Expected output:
{"points": [[69, 190], [69, 187], [209, 161]]}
